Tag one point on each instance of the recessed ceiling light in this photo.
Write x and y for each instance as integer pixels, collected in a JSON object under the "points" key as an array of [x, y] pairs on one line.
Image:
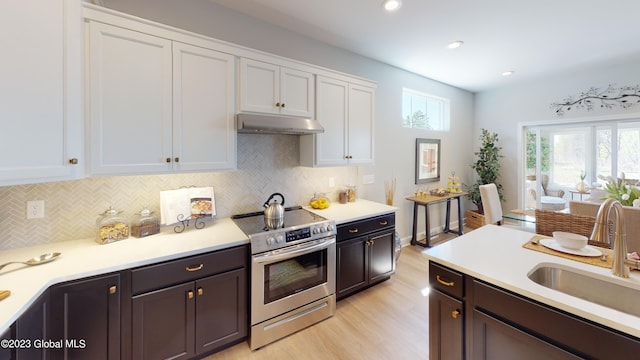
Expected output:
{"points": [[455, 44], [508, 73], [391, 5]]}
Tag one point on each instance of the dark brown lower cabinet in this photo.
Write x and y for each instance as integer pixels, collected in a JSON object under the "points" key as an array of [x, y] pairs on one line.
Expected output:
{"points": [[27, 332], [365, 254], [182, 308], [446, 340], [194, 317], [85, 318], [364, 261], [494, 339], [33, 325], [182, 321], [499, 324]]}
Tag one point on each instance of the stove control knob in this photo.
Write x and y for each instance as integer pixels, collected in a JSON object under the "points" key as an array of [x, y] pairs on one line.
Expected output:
{"points": [[329, 227], [323, 229], [316, 230], [269, 241], [279, 239]]}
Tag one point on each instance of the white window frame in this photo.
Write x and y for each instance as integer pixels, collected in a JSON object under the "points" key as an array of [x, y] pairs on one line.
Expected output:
{"points": [[444, 119], [522, 129]]}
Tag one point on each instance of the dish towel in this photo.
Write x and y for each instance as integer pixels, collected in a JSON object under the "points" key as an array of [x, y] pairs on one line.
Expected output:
{"points": [[186, 203]]}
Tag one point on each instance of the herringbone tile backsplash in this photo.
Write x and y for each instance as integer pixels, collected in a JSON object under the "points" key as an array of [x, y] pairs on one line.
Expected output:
{"points": [[266, 164]]}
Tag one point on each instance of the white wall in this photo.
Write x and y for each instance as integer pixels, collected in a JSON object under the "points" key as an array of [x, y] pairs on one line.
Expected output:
{"points": [[501, 110], [394, 145]]}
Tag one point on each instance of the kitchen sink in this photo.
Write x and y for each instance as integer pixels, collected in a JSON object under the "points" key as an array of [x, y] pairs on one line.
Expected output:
{"points": [[591, 287]]}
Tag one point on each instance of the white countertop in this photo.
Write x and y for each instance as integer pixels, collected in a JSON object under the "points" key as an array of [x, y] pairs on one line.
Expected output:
{"points": [[83, 258], [353, 211], [495, 254]]}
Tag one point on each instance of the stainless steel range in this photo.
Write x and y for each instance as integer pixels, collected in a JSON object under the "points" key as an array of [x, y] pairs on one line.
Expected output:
{"points": [[293, 273]]}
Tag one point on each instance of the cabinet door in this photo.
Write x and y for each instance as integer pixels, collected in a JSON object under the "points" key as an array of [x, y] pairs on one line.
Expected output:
{"points": [[33, 325], [352, 263], [203, 109], [297, 93], [259, 86], [130, 76], [493, 339], [360, 124], [85, 315], [163, 323], [40, 90], [221, 310], [446, 327], [331, 112], [381, 256]]}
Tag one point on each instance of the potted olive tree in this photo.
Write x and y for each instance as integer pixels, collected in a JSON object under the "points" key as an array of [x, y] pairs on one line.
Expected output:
{"points": [[487, 168]]}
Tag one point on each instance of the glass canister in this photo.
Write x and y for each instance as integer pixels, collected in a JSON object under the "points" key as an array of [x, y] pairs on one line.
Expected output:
{"points": [[319, 201], [351, 193], [343, 196], [144, 224], [112, 226]]}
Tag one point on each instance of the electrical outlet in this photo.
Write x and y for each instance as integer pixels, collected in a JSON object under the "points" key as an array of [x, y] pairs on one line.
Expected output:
{"points": [[332, 182], [35, 209]]}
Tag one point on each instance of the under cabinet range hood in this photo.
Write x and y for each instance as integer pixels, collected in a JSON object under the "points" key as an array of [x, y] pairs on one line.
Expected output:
{"points": [[277, 124]]}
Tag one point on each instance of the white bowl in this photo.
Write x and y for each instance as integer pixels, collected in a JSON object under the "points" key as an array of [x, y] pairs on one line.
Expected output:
{"points": [[569, 240]]}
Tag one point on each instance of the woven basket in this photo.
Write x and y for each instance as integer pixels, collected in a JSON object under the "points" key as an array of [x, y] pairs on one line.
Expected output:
{"points": [[474, 220], [548, 221]]}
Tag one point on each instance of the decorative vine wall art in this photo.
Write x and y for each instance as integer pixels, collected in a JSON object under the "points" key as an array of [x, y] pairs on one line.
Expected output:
{"points": [[613, 96]]}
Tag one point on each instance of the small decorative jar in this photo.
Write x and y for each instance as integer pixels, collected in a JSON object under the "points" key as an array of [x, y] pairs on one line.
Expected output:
{"points": [[343, 196], [111, 226], [144, 224]]}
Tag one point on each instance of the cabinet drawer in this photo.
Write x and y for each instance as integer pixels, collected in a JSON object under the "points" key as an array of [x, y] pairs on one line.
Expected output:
{"points": [[446, 280], [173, 272], [362, 227]]}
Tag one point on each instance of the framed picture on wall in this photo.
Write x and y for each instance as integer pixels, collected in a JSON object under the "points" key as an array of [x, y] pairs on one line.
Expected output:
{"points": [[427, 160]]}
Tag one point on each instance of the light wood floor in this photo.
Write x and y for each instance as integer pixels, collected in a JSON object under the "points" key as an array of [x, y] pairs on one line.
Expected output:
{"points": [[387, 321]]}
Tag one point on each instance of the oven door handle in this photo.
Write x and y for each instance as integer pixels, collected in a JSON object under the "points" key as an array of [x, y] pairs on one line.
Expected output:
{"points": [[271, 257]]}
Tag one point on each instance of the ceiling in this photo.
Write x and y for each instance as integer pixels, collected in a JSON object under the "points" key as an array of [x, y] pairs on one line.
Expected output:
{"points": [[532, 38]]}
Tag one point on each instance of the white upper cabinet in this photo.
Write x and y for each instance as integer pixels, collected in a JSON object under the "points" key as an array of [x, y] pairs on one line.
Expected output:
{"points": [[345, 110], [360, 124], [41, 91], [203, 108], [273, 89], [158, 105], [130, 88]]}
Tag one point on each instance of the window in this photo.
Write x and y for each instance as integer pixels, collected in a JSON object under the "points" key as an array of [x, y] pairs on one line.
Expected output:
{"points": [[423, 111], [597, 149]]}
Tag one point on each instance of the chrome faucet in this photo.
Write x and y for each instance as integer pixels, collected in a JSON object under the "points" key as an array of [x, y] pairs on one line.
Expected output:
{"points": [[601, 234]]}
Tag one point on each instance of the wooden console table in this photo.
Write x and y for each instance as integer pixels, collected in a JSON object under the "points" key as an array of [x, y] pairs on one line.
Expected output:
{"points": [[430, 200]]}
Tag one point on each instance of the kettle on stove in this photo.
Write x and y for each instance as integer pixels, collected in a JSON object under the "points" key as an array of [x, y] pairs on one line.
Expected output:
{"points": [[274, 212]]}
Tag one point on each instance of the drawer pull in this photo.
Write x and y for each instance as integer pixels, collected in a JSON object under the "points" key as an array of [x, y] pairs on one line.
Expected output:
{"points": [[189, 294], [384, 222], [200, 291], [455, 313], [353, 231], [191, 269], [445, 283], [113, 290]]}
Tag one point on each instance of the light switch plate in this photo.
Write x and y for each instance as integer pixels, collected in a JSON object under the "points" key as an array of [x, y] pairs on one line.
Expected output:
{"points": [[368, 179]]}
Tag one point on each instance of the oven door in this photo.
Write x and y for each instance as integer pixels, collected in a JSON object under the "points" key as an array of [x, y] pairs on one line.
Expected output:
{"points": [[287, 278]]}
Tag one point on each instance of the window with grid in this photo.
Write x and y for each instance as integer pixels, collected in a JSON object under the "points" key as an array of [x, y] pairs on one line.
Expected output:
{"points": [[424, 111]]}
